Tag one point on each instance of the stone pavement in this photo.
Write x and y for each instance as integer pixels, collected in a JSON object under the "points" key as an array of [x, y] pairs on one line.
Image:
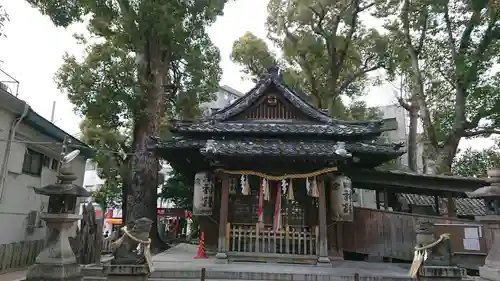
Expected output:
{"points": [[180, 259], [13, 276]]}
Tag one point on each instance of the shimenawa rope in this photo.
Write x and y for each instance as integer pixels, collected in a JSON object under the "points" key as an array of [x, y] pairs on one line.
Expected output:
{"points": [[421, 254], [278, 178], [145, 246]]}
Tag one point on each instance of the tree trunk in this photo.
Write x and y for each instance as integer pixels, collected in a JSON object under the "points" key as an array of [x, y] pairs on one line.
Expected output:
{"points": [[141, 199], [412, 138], [439, 160]]}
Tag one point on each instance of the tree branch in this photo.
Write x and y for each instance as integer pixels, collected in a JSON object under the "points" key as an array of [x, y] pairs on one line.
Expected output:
{"points": [[365, 69], [348, 37], [485, 132], [423, 33], [451, 39]]}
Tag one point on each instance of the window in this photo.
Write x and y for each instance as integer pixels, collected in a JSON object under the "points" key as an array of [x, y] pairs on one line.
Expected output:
{"points": [[54, 165], [90, 166], [46, 161], [32, 162]]}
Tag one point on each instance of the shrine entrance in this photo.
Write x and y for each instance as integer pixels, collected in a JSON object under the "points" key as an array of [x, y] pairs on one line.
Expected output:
{"points": [[289, 226]]}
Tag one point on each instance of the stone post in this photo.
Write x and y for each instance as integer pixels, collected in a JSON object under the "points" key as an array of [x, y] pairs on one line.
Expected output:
{"points": [[221, 255], [491, 268], [128, 264], [57, 261], [438, 266], [323, 259]]}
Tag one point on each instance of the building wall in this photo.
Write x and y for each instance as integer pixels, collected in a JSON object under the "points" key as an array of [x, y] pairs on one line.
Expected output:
{"points": [[222, 99], [91, 180], [17, 197], [366, 198]]}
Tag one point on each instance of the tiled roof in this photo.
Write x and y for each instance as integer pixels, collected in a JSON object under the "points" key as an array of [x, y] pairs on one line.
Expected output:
{"points": [[275, 128], [465, 206], [273, 78], [274, 147]]}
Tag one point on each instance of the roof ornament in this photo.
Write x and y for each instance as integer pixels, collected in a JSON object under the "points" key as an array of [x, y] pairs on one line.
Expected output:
{"points": [[209, 147], [340, 149], [275, 72]]}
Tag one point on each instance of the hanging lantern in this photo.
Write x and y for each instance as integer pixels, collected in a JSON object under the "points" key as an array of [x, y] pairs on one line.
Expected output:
{"points": [[290, 195]]}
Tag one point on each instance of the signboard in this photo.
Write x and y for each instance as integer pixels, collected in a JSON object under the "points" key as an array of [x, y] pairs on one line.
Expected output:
{"points": [[203, 194], [160, 212], [342, 205]]}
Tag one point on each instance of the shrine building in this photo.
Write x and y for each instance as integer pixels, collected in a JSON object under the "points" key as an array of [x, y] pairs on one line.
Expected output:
{"points": [[273, 177]]}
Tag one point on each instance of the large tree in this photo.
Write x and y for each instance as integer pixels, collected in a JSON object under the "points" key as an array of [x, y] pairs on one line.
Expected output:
{"points": [[146, 56], [448, 50], [255, 57], [330, 44], [476, 163]]}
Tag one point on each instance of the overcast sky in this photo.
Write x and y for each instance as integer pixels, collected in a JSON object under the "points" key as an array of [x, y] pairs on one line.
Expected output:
{"points": [[33, 50]]}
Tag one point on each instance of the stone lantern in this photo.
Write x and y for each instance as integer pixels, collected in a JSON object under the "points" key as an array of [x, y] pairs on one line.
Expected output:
{"points": [[491, 194], [57, 261]]}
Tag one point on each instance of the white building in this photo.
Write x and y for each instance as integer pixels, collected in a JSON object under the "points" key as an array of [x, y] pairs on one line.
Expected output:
{"points": [[30, 147], [91, 179], [224, 97], [366, 198]]}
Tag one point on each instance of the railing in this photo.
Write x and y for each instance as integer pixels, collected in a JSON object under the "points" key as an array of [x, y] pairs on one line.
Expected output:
{"points": [[290, 240], [19, 255]]}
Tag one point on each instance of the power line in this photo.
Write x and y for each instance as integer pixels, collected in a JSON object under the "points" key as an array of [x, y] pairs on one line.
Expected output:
{"points": [[69, 145]]}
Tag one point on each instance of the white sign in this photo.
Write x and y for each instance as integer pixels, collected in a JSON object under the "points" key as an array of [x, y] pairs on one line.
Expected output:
{"points": [[342, 194], [472, 244], [203, 194], [471, 232]]}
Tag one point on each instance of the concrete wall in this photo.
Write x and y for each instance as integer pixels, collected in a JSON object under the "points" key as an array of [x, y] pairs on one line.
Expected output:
{"points": [[17, 197]]}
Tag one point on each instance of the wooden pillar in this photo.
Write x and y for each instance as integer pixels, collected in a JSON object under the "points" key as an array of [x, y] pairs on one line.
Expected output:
{"points": [[224, 199], [386, 199], [436, 205], [377, 199], [451, 206], [323, 235]]}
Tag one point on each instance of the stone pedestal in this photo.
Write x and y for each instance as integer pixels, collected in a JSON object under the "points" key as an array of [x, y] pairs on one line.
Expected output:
{"points": [[116, 272], [491, 268], [441, 273], [57, 260]]}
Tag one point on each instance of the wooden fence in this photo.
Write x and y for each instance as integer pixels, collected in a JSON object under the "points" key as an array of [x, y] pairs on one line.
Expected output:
{"points": [[380, 233], [19, 255], [244, 238]]}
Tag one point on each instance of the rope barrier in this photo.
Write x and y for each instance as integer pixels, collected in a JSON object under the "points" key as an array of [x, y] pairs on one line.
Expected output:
{"points": [[145, 245]]}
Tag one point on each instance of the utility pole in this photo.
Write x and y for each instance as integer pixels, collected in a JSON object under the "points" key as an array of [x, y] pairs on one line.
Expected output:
{"points": [[53, 111]]}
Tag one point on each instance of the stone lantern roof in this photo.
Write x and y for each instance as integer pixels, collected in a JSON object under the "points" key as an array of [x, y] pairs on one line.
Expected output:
{"points": [[64, 184]]}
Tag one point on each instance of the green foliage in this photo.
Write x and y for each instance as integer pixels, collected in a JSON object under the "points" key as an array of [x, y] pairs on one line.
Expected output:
{"points": [[475, 163], [179, 189], [108, 195], [145, 62], [327, 50], [447, 52], [4, 17]]}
